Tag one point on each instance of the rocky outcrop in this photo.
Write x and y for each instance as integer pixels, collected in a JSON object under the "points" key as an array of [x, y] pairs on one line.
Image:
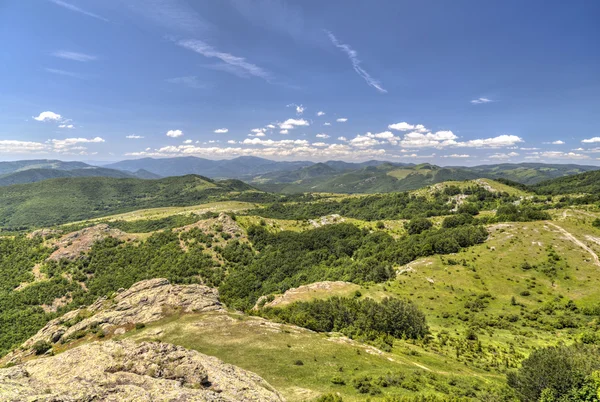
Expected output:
{"points": [[73, 245], [323, 289], [145, 302], [128, 371]]}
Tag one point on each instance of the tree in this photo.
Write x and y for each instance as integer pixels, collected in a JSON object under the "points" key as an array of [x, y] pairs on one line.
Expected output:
{"points": [[418, 225]]}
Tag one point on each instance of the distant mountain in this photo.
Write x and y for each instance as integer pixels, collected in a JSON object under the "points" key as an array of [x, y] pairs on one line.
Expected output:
{"points": [[240, 167], [35, 175], [529, 173], [385, 177], [56, 201], [17, 166]]}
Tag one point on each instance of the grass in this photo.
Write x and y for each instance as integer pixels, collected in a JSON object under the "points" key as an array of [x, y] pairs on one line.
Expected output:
{"points": [[273, 350], [157, 213]]}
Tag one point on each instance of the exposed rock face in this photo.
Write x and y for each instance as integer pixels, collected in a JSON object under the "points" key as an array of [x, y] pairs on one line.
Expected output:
{"points": [[327, 288], [144, 302], [127, 371], [72, 245]]}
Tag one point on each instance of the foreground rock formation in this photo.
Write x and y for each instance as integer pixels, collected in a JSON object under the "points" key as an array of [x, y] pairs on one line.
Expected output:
{"points": [[127, 371], [146, 301]]}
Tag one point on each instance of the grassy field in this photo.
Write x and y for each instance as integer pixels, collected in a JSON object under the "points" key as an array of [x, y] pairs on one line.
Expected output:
{"points": [[302, 364]]}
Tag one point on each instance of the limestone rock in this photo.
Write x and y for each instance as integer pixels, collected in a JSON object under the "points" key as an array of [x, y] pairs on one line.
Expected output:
{"points": [[72, 245], [146, 301], [128, 371]]}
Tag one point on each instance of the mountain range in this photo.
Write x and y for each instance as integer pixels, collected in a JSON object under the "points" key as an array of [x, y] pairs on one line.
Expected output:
{"points": [[290, 177]]}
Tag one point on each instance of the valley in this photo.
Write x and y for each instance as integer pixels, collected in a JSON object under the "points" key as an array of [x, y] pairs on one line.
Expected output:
{"points": [[495, 271]]}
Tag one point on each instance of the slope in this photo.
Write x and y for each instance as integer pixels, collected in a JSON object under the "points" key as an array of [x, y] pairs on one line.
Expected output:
{"points": [[588, 182], [56, 201]]}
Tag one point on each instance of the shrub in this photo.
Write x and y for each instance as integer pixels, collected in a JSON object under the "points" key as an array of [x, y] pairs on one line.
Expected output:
{"points": [[417, 225], [41, 347], [556, 369]]}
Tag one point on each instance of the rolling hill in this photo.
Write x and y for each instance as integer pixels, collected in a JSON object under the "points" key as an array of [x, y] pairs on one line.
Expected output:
{"points": [[588, 182], [38, 174], [385, 177], [529, 173], [56, 201], [17, 166]]}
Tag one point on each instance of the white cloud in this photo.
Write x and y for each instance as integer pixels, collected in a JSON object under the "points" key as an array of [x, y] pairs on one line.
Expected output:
{"points": [[66, 126], [63, 54], [504, 140], [353, 56], [273, 143], [48, 116], [456, 156], [342, 138], [221, 131], [299, 108], [259, 135], [271, 126], [290, 124], [591, 140], [187, 141], [270, 149], [322, 135], [504, 155], [174, 133], [258, 130], [327, 124], [562, 155], [363, 141], [558, 142], [284, 132], [134, 137], [403, 126], [232, 142], [70, 144], [72, 7], [320, 113], [342, 120], [439, 139], [480, 101], [319, 144], [18, 147], [232, 64]]}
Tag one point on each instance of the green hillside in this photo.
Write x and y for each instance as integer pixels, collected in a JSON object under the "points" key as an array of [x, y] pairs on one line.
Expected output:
{"points": [[529, 173], [581, 183], [56, 201], [383, 178]]}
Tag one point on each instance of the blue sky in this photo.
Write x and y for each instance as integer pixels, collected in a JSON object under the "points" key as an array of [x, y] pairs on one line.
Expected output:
{"points": [[449, 82]]}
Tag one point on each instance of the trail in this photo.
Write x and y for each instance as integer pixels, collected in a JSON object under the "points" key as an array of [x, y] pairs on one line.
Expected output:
{"points": [[577, 241]]}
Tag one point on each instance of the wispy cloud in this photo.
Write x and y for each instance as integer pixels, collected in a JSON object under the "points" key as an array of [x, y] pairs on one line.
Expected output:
{"points": [[479, 101], [174, 15], [75, 56], [232, 64], [189, 81], [221, 131], [353, 56], [342, 120], [134, 137], [65, 73], [76, 9]]}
